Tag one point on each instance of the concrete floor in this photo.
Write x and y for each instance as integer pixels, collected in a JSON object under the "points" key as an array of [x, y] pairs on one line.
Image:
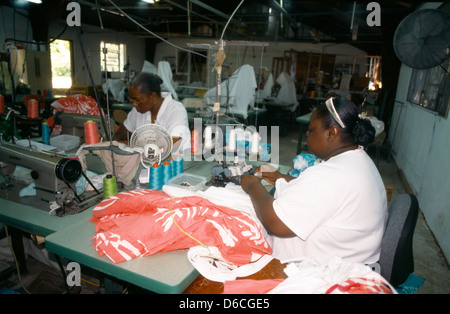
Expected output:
{"points": [[430, 264]]}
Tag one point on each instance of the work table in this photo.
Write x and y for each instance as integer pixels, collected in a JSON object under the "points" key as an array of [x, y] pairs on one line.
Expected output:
{"points": [[70, 236]]}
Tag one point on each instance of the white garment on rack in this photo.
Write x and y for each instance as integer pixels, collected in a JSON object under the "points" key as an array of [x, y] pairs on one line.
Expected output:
{"points": [[148, 67], [165, 73], [239, 89], [266, 92], [287, 93]]}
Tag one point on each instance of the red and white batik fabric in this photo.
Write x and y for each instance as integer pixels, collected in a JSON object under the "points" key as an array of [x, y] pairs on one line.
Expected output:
{"points": [[144, 222], [79, 103]]}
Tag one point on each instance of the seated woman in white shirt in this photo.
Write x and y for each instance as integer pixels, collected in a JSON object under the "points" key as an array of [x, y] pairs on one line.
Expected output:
{"points": [[337, 207], [149, 106]]}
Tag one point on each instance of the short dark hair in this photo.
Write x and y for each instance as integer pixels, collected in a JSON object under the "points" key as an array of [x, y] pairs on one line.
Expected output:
{"points": [[357, 130], [147, 83]]}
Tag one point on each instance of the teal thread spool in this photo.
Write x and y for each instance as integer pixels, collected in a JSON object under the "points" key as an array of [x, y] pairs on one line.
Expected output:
{"points": [[45, 133], [109, 186], [155, 181], [172, 166], [178, 165], [167, 172]]}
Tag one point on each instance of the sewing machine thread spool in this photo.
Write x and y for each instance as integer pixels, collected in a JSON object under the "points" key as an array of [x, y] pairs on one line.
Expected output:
{"points": [[232, 141], [2, 104], [194, 142], [45, 133], [255, 143], [91, 132], [33, 109], [167, 172], [178, 163], [172, 166], [109, 186], [155, 182], [208, 137]]}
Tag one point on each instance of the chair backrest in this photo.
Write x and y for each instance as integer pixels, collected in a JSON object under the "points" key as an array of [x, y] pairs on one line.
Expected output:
{"points": [[396, 257]]}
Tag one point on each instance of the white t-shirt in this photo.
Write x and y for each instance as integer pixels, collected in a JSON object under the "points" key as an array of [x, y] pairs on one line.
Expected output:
{"points": [[337, 207], [172, 116]]}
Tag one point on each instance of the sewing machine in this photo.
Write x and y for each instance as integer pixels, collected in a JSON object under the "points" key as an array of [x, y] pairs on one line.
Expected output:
{"points": [[73, 124], [54, 175]]}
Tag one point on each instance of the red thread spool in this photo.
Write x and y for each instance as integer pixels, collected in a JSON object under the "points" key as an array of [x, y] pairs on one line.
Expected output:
{"points": [[91, 132], [2, 104], [194, 142], [33, 109]]}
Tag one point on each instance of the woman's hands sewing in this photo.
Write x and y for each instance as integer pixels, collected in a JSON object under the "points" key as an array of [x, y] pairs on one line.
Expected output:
{"points": [[263, 202], [270, 174]]}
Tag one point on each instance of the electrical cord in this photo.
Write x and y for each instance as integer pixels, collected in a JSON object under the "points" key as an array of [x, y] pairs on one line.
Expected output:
{"points": [[231, 17], [15, 260]]}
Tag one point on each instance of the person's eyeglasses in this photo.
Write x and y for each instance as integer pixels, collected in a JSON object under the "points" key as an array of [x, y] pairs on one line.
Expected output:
{"points": [[134, 100]]}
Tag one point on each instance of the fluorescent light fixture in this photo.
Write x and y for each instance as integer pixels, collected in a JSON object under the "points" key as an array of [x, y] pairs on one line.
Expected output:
{"points": [[149, 1], [35, 1]]}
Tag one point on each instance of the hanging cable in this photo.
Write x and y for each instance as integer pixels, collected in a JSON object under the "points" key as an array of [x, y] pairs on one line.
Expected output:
{"points": [[231, 17], [157, 36], [108, 136]]}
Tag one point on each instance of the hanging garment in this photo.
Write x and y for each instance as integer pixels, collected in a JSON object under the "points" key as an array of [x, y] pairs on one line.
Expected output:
{"points": [[144, 222], [238, 91], [125, 165], [165, 73], [288, 92], [148, 67]]}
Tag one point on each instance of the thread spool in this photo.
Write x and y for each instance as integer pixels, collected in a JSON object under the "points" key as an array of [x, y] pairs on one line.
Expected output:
{"points": [[208, 137], [2, 104], [155, 182], [91, 132], [109, 186], [172, 166], [167, 172], [255, 143], [33, 109], [45, 133], [194, 142], [178, 165], [232, 141]]}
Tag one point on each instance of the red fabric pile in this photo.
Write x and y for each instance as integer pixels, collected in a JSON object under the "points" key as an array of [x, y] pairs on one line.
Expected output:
{"points": [[145, 222]]}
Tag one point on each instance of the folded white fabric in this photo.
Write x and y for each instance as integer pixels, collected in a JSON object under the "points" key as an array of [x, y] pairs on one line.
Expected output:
{"points": [[210, 264]]}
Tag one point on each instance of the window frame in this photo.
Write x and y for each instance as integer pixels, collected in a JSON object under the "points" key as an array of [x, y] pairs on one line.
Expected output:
{"points": [[430, 88], [121, 57]]}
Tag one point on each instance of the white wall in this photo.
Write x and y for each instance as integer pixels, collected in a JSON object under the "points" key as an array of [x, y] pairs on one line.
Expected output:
{"points": [[421, 147], [92, 36]]}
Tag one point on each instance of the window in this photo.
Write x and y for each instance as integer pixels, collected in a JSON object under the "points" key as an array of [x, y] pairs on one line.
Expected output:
{"points": [[430, 88], [61, 61], [115, 57]]}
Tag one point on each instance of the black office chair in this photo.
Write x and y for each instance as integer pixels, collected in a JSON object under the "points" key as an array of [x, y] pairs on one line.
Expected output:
{"points": [[396, 258]]}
